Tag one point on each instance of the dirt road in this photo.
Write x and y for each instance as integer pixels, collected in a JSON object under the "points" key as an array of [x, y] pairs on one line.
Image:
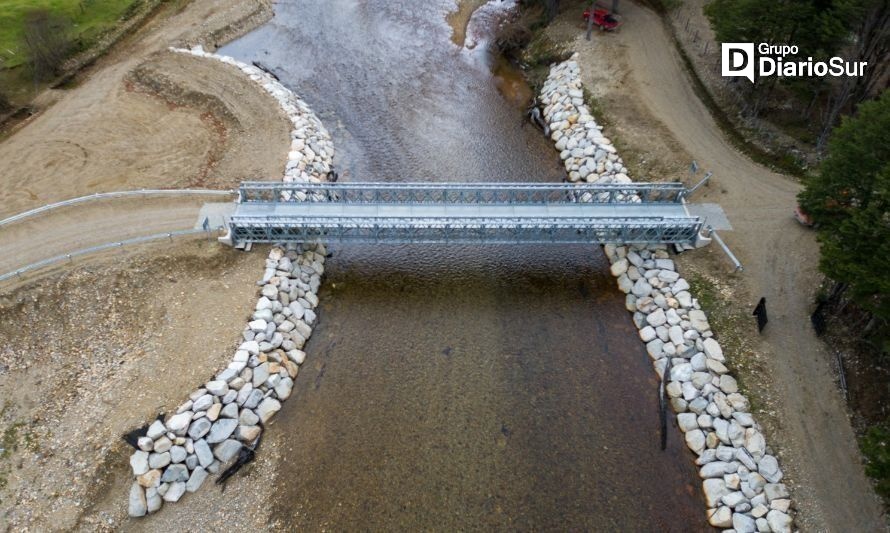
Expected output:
{"points": [[143, 117], [816, 442], [74, 228]]}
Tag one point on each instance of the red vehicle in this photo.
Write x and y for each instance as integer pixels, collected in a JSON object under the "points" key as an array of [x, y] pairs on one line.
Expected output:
{"points": [[603, 19], [803, 217]]}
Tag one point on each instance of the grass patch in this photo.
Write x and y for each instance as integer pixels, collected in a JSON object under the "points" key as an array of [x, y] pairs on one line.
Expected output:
{"points": [[10, 439], [596, 108], [13, 436], [703, 289], [875, 447], [536, 58], [89, 18]]}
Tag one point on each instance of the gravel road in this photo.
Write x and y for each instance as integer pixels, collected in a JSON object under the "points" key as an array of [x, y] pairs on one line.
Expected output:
{"points": [[69, 229]]}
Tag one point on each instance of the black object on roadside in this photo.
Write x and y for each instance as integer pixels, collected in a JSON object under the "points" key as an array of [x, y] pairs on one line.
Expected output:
{"points": [[265, 69], [132, 437], [818, 319], [245, 455], [760, 313]]}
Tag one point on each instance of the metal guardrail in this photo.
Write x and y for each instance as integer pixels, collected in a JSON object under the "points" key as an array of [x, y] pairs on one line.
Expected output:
{"points": [[102, 247], [459, 193], [737, 265], [116, 194]]}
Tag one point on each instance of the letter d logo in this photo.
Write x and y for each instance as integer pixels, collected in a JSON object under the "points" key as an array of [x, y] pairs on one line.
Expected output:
{"points": [[737, 59]]}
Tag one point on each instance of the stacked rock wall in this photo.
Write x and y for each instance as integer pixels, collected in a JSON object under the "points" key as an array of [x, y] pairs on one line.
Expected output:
{"points": [[227, 413], [741, 478], [588, 155]]}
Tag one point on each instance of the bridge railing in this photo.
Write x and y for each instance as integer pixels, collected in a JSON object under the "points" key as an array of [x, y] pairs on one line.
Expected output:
{"points": [[273, 229], [461, 193]]}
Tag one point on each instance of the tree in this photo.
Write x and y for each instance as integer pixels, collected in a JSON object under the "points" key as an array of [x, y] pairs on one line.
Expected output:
{"points": [[872, 45], [48, 41], [5, 104], [551, 7], [850, 202], [819, 28]]}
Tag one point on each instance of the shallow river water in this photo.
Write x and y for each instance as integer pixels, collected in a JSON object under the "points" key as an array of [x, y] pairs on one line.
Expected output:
{"points": [[457, 387]]}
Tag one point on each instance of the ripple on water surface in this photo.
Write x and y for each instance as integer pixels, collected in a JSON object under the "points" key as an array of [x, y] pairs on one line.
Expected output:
{"points": [[457, 387]]}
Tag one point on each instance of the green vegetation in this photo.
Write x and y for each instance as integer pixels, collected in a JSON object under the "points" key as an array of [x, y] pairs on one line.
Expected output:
{"points": [[733, 327], [850, 201], [10, 439], [819, 28], [875, 446], [522, 41], [597, 109], [536, 59], [88, 20], [37, 37], [858, 30]]}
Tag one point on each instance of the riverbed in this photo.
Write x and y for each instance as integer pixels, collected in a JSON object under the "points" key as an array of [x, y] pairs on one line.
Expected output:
{"points": [[457, 387]]}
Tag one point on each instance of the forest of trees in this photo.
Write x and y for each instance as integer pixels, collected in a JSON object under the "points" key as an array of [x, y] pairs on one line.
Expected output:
{"points": [[849, 199], [858, 30]]}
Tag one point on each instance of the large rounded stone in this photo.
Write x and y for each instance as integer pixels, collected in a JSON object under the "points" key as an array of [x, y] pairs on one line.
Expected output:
{"points": [[137, 505], [221, 430]]}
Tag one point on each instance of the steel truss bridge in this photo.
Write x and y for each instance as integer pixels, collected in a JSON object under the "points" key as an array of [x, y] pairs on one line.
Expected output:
{"points": [[497, 213]]}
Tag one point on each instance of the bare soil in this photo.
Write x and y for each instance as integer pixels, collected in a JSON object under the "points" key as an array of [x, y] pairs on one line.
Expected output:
{"points": [[128, 323], [652, 110], [147, 118]]}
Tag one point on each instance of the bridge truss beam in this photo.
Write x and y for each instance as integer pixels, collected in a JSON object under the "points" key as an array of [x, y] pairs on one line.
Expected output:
{"points": [[464, 230], [461, 193]]}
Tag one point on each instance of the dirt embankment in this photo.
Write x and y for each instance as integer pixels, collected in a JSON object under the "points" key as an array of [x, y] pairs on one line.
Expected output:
{"points": [[786, 147], [248, 128], [659, 124], [207, 127]]}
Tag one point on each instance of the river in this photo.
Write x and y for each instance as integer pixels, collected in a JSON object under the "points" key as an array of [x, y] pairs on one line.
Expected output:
{"points": [[457, 387]]}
